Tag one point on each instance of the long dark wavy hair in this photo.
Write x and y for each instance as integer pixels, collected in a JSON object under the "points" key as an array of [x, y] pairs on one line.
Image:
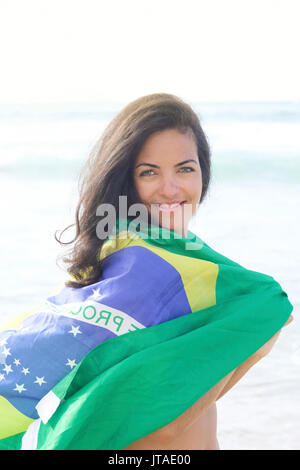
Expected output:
{"points": [[108, 173]]}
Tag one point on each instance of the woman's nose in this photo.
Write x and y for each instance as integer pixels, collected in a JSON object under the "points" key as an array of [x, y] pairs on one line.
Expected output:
{"points": [[169, 187]]}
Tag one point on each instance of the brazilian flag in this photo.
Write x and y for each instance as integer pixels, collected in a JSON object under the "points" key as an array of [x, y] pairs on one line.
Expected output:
{"points": [[104, 365]]}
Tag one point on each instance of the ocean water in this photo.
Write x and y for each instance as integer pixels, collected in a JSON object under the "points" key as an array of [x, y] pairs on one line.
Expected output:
{"points": [[251, 215]]}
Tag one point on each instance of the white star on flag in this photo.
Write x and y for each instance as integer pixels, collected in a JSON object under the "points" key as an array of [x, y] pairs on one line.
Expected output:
{"points": [[75, 330], [17, 362], [96, 294], [20, 388], [3, 342], [25, 371], [2, 377], [40, 381], [71, 363], [7, 369], [6, 352]]}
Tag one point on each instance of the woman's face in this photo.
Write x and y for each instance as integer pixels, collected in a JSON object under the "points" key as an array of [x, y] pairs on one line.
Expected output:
{"points": [[168, 178]]}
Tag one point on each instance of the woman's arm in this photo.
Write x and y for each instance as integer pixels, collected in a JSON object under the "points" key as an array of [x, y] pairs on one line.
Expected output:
{"points": [[185, 420], [242, 370], [260, 353], [192, 414]]}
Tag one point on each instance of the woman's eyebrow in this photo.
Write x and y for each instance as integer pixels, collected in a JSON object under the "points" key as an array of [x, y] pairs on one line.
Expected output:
{"points": [[156, 166], [186, 161], [147, 164]]}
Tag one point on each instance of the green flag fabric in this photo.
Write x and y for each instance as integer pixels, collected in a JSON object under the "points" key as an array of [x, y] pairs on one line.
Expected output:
{"points": [[167, 320]]}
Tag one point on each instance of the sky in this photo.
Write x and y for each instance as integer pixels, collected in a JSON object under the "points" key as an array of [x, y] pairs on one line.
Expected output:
{"points": [[62, 51]]}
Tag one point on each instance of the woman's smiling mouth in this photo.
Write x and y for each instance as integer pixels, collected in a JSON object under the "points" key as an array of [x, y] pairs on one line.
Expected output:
{"points": [[169, 206]]}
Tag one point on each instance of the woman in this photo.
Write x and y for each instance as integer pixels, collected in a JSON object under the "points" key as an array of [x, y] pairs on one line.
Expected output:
{"points": [[197, 320], [110, 171], [154, 152]]}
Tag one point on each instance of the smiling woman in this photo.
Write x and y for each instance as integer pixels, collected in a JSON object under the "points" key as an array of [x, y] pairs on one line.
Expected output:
{"points": [[171, 187], [151, 328], [153, 152]]}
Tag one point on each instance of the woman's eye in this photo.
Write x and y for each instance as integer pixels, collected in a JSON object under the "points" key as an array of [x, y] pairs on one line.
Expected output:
{"points": [[146, 173], [183, 169], [187, 168]]}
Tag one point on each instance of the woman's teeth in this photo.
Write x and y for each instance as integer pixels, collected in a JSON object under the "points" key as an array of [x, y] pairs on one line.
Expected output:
{"points": [[169, 207]]}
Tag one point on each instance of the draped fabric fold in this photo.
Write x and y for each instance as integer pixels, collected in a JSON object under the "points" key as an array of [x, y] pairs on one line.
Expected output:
{"points": [[102, 366]]}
